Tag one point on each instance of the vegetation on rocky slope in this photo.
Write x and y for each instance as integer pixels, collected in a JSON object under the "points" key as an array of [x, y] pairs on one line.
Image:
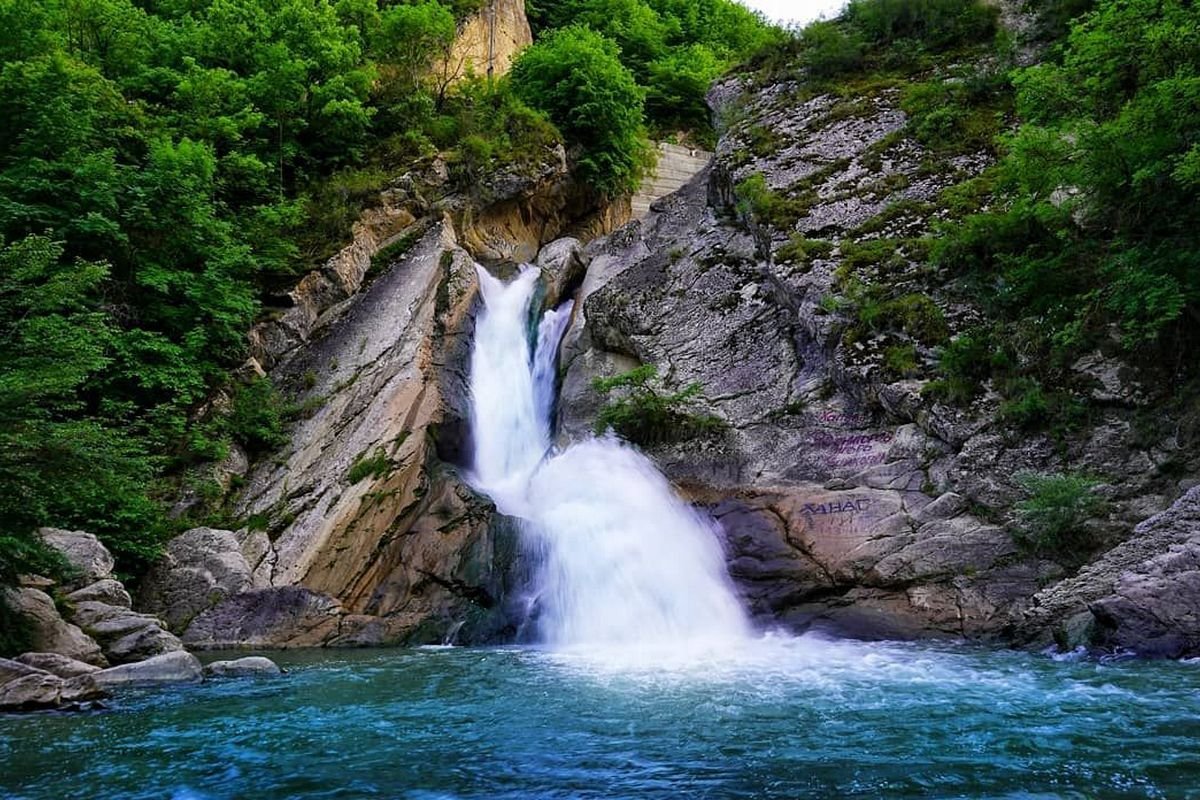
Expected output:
{"points": [[169, 168]]}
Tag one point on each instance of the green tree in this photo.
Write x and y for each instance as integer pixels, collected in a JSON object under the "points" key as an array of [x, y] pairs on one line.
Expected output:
{"points": [[576, 77]]}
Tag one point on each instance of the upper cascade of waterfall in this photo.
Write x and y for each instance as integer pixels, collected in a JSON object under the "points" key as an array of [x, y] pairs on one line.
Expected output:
{"points": [[624, 560]]}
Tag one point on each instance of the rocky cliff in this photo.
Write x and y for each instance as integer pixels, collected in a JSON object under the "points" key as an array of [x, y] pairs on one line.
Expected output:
{"points": [[850, 499]]}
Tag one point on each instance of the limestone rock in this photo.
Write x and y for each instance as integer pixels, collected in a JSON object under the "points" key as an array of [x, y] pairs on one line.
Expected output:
{"points": [[198, 569], [24, 688], [563, 264], [109, 591], [83, 551], [125, 635], [278, 618], [176, 667], [250, 666], [1137, 596], [57, 664], [1154, 609], [51, 633]]}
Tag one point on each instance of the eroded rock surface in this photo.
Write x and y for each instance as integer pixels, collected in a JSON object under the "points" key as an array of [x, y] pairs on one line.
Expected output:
{"points": [[847, 496]]}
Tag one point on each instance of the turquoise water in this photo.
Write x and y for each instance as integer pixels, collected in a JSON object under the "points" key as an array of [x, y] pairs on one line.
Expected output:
{"points": [[796, 718]]}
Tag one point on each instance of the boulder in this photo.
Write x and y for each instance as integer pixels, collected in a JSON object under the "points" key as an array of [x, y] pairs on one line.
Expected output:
{"points": [[1154, 609], [51, 633], [36, 690], [250, 666], [24, 687], [57, 664], [125, 635], [1141, 596], [89, 559], [289, 616], [108, 591], [177, 667], [199, 568], [563, 264]]}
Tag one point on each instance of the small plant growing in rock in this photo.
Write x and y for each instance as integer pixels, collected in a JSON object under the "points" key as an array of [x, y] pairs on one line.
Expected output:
{"points": [[375, 464], [1051, 519], [645, 415]]}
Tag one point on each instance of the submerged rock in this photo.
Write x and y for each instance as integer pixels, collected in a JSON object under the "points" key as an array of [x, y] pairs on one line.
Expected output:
{"points": [[250, 666]]}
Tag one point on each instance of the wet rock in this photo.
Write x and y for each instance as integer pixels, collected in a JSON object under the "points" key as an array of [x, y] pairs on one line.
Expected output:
{"points": [[51, 633], [57, 664], [250, 666], [88, 558], [563, 264], [176, 667], [1139, 596], [27, 688]]}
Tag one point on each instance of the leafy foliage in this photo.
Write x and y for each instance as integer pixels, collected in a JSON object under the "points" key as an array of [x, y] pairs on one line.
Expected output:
{"points": [[575, 75], [673, 48], [1096, 229], [647, 416], [1052, 517]]}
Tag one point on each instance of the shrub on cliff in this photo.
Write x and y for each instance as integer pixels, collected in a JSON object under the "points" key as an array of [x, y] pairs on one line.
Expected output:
{"points": [[937, 24], [645, 415], [575, 75], [1052, 517]]}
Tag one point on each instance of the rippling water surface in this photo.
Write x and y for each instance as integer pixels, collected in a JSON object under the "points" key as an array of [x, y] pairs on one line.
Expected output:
{"points": [[785, 718]]}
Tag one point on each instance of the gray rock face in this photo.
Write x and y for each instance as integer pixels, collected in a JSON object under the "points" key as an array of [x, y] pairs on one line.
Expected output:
{"points": [[175, 667], [57, 664], [250, 666], [563, 265], [200, 568], [83, 551], [282, 617], [1142, 596], [107, 591], [847, 496], [51, 633]]}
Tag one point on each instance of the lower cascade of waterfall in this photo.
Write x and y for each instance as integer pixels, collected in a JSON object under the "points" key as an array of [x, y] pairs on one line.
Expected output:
{"points": [[624, 560]]}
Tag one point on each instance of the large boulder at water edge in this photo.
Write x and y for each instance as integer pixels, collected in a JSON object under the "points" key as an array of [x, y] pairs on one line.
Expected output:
{"points": [[24, 687], [50, 632], [58, 664], [250, 666], [87, 557], [202, 567], [177, 667], [1143, 596]]}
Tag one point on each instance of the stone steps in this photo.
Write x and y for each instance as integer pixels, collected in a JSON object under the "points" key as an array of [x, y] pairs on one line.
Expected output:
{"points": [[676, 166]]}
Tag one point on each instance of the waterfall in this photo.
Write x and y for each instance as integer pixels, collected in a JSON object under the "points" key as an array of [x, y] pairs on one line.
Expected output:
{"points": [[625, 561]]}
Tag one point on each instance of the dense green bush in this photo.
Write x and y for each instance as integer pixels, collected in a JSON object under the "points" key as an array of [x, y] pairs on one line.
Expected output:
{"points": [[576, 77], [644, 415], [1052, 517], [937, 24], [674, 48], [1099, 223]]}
